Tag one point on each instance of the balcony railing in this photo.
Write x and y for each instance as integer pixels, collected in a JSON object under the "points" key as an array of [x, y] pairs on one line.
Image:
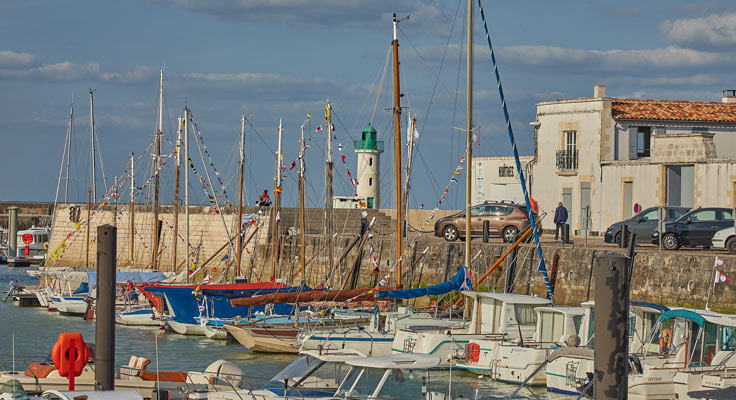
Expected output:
{"points": [[567, 160], [368, 145]]}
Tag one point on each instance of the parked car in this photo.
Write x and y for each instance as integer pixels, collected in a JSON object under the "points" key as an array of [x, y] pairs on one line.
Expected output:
{"points": [[642, 223], [695, 228], [505, 219], [725, 239]]}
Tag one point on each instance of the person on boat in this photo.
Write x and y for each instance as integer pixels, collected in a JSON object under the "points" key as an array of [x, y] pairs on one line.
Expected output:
{"points": [[560, 219], [264, 200]]}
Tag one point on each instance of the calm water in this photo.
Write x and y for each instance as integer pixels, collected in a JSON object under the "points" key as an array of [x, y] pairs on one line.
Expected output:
{"points": [[36, 330]]}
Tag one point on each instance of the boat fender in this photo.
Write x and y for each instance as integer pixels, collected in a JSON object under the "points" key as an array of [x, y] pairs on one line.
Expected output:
{"points": [[45, 245], [61, 350], [665, 340]]}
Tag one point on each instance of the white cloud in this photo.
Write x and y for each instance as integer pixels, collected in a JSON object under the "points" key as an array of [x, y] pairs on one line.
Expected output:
{"points": [[136, 75], [63, 71], [11, 59], [715, 31]]}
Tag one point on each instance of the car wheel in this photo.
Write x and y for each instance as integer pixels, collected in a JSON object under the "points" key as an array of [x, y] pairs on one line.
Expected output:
{"points": [[731, 245], [670, 241], [450, 233], [509, 234], [617, 239]]}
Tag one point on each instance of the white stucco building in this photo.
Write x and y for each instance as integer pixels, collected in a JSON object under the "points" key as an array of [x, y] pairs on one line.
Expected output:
{"points": [[496, 178], [607, 154]]}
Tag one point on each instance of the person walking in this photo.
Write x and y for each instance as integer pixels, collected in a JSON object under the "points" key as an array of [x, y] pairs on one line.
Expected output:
{"points": [[560, 219]]}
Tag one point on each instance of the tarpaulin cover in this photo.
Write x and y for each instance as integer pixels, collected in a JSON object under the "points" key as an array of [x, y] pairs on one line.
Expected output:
{"points": [[183, 303], [461, 281], [135, 277], [305, 297]]}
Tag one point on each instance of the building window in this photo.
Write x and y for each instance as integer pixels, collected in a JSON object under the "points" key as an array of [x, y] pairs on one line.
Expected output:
{"points": [[370, 160], [506, 172], [370, 181], [567, 158], [643, 141]]}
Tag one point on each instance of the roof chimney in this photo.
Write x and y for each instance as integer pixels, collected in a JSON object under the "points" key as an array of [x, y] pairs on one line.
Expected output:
{"points": [[599, 91], [728, 96]]}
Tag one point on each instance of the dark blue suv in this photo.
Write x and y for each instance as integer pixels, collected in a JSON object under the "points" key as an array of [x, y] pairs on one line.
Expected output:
{"points": [[695, 228]]}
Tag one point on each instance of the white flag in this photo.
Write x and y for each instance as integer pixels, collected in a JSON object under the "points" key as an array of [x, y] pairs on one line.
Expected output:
{"points": [[719, 262], [408, 133]]}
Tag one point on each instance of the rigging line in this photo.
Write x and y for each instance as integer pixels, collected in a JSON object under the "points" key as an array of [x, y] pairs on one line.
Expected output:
{"points": [[457, 90], [442, 63], [380, 86], [436, 75], [261, 137], [542, 266]]}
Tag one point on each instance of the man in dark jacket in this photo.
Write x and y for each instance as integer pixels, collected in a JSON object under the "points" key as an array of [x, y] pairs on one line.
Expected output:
{"points": [[560, 218]]}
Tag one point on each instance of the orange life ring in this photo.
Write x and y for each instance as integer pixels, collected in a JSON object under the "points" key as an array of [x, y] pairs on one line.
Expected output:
{"points": [[62, 349], [665, 340]]}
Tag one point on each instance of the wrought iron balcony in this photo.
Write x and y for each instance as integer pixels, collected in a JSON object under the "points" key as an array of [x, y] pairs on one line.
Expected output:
{"points": [[567, 160]]}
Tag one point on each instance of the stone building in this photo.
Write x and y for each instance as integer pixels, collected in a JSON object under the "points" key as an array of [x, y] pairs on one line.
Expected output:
{"points": [[601, 156], [496, 178]]}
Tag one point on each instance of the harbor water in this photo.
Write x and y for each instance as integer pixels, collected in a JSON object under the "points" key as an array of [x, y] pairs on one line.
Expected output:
{"points": [[30, 333]]}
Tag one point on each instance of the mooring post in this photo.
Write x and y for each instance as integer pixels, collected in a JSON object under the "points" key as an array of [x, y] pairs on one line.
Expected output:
{"points": [[13, 231], [611, 333], [105, 323]]}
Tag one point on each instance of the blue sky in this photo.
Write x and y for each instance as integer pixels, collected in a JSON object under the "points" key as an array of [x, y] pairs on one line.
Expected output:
{"points": [[273, 59]]}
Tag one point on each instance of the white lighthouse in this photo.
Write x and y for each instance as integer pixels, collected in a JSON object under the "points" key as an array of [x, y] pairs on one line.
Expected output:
{"points": [[369, 172]]}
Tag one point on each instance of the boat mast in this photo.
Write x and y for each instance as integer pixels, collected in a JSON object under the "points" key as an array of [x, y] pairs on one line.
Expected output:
{"points": [[397, 114], [92, 144], [301, 201], [64, 157], [186, 191], [69, 150], [115, 208], [132, 209], [240, 197], [176, 192], [89, 224], [154, 264], [407, 183], [277, 205], [469, 133], [329, 219]]}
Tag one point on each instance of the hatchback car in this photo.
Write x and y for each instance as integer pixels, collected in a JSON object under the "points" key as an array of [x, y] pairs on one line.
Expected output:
{"points": [[725, 239], [642, 223], [505, 219], [695, 228]]}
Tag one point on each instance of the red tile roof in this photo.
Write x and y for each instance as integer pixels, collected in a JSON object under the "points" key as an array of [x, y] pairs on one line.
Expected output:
{"points": [[671, 110]]}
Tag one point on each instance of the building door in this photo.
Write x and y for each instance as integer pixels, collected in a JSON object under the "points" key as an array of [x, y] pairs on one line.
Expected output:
{"points": [[681, 185], [585, 211], [567, 202], [628, 199]]}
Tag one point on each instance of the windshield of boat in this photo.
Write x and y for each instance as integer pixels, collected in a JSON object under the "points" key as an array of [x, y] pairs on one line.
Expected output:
{"points": [[299, 369], [728, 338], [13, 387]]}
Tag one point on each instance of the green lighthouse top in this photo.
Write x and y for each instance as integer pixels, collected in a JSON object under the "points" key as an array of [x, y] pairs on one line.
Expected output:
{"points": [[368, 140]]}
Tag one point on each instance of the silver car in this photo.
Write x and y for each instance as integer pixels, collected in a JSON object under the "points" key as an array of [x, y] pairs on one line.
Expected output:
{"points": [[725, 239]]}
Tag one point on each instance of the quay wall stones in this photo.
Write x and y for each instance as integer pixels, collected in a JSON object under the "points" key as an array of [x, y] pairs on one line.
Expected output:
{"points": [[679, 278]]}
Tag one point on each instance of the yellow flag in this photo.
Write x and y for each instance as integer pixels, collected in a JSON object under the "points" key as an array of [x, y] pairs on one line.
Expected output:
{"points": [[309, 116], [327, 112]]}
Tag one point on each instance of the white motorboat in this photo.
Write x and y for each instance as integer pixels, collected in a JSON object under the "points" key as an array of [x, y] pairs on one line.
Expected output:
{"points": [[376, 338], [494, 316], [515, 361]]}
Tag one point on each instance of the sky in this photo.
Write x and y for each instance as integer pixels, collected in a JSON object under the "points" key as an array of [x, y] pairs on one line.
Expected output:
{"points": [[278, 60]]}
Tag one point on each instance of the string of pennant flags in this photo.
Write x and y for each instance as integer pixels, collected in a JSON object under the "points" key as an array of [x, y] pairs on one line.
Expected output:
{"points": [[226, 200]]}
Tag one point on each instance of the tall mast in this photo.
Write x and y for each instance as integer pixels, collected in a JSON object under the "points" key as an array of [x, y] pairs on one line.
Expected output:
{"points": [[469, 134], [92, 144], [407, 183], [329, 219], [397, 114], [89, 225], [240, 196], [176, 191], [186, 191], [115, 208], [69, 150], [64, 158], [132, 209], [277, 205], [301, 202], [154, 264]]}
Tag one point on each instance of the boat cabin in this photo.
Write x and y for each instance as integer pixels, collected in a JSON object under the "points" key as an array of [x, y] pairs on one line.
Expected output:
{"points": [[698, 337], [558, 325], [504, 313]]}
